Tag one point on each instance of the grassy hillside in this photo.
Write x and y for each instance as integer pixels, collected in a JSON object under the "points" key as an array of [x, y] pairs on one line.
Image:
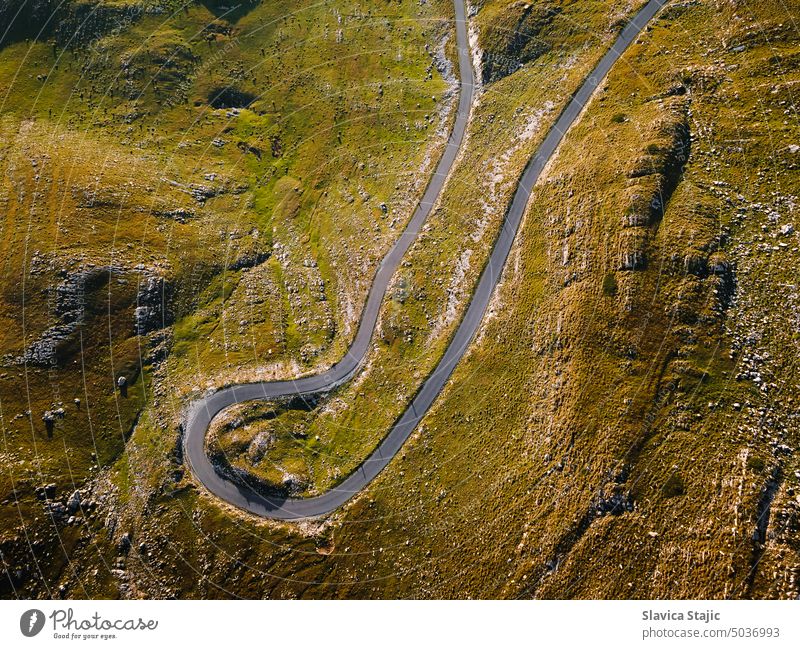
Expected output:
{"points": [[189, 194], [432, 289], [427, 300], [624, 426]]}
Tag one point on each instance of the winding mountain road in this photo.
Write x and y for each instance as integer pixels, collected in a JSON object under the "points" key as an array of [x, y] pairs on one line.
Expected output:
{"points": [[202, 411]]}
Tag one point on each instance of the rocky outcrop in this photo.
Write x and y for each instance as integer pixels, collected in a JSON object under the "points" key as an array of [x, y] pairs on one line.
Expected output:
{"points": [[653, 178], [249, 259], [69, 307], [291, 485], [69, 303], [153, 300], [633, 250], [615, 504], [645, 201], [512, 36]]}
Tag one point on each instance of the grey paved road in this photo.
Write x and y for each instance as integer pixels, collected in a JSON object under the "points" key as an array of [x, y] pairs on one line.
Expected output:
{"points": [[202, 411]]}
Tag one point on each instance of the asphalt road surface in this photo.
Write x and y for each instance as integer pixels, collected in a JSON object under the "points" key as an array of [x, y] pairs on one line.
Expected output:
{"points": [[202, 411]]}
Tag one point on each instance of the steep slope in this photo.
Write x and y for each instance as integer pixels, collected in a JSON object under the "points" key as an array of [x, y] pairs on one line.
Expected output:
{"points": [[625, 424], [187, 192], [170, 517]]}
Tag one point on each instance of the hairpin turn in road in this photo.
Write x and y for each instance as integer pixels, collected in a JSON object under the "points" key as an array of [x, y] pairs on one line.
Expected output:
{"points": [[202, 412]]}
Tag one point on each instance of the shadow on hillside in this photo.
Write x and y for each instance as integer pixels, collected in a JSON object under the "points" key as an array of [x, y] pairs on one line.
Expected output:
{"points": [[230, 10]]}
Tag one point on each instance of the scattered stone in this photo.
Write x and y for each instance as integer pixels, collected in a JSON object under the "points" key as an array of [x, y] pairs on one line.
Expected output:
{"points": [[74, 502], [614, 504], [180, 214], [46, 492], [633, 260], [124, 543], [57, 510]]}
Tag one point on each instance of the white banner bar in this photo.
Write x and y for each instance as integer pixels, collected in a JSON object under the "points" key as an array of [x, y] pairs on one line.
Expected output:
{"points": [[379, 624]]}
